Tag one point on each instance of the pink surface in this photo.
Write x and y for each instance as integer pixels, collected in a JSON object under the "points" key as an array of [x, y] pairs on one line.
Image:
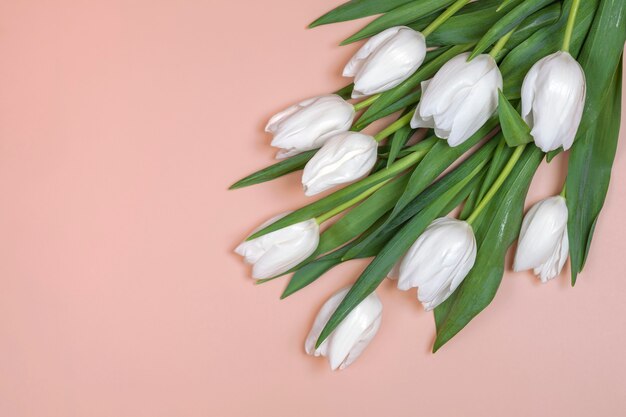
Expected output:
{"points": [[121, 125]]}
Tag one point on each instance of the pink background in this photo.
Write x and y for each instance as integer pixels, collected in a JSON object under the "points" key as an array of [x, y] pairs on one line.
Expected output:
{"points": [[121, 125]]}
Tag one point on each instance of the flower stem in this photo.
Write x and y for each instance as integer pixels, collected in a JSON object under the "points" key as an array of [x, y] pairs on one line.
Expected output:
{"points": [[564, 190], [365, 103], [497, 184], [340, 208], [395, 126], [573, 11], [448, 13], [497, 48]]}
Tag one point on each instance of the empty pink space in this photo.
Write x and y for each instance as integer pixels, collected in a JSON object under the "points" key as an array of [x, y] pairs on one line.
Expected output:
{"points": [[122, 123]]}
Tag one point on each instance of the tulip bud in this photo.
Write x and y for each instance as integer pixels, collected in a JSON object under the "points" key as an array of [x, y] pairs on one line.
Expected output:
{"points": [[386, 60], [553, 98], [344, 158], [308, 124], [277, 252], [438, 261], [543, 244], [346, 343], [460, 98]]}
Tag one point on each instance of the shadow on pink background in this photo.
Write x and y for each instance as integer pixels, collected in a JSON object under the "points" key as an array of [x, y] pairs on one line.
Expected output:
{"points": [[121, 126]]}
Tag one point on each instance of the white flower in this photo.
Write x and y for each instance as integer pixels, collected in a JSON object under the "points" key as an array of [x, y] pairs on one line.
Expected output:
{"points": [[553, 98], [460, 98], [386, 60], [438, 261], [543, 244], [344, 158], [346, 343], [308, 124], [279, 251]]}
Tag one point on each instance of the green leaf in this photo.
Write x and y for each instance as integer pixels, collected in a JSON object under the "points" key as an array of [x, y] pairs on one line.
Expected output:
{"points": [[593, 152], [427, 70], [376, 271], [407, 101], [279, 169], [515, 130], [538, 20], [589, 173], [360, 218], [507, 23], [348, 193], [310, 273], [468, 25], [397, 141], [500, 158], [356, 9], [544, 42], [479, 287], [441, 157], [600, 56], [345, 92], [399, 16]]}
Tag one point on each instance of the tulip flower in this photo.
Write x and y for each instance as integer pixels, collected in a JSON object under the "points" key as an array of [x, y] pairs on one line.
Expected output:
{"points": [[438, 261], [308, 124], [348, 341], [553, 98], [543, 243], [386, 60], [279, 251], [344, 158], [460, 98]]}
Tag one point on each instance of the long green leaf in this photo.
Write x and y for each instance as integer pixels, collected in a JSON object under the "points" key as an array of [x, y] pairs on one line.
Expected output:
{"points": [[538, 20], [504, 219], [356, 9], [284, 167], [399, 16], [360, 218], [593, 152], [436, 162], [468, 25], [507, 23], [515, 130]]}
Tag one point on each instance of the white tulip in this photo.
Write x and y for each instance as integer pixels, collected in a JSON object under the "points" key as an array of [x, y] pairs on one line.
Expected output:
{"points": [[308, 124], [386, 60], [346, 343], [553, 98], [543, 244], [344, 158], [279, 251], [460, 98], [438, 261]]}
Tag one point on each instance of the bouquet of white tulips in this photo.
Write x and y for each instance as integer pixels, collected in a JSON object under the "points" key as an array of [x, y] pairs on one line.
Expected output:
{"points": [[487, 88]]}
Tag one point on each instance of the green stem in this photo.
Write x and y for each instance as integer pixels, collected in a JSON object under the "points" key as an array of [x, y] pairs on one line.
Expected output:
{"points": [[394, 127], [497, 48], [340, 208], [447, 14], [564, 190], [569, 29], [365, 103], [497, 184]]}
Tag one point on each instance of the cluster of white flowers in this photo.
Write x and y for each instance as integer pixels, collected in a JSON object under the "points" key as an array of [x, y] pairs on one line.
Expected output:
{"points": [[456, 103]]}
